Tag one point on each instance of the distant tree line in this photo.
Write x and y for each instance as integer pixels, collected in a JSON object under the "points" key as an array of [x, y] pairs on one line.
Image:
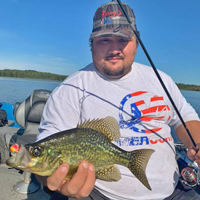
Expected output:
{"points": [[182, 86], [31, 74], [49, 76]]}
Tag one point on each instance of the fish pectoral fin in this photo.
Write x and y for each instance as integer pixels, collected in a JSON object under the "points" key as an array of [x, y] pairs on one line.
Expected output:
{"points": [[108, 126], [67, 178], [110, 173], [72, 170]]}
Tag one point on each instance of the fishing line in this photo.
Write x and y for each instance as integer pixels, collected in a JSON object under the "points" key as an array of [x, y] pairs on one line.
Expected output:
{"points": [[156, 72]]}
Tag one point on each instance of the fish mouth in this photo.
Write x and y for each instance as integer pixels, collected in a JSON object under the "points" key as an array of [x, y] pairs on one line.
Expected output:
{"points": [[20, 159]]}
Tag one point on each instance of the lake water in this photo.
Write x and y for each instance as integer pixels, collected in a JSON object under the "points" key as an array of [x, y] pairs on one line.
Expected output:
{"points": [[17, 90], [193, 97]]}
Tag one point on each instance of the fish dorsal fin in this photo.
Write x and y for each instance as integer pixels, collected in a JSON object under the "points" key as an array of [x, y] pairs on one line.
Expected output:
{"points": [[108, 126]]}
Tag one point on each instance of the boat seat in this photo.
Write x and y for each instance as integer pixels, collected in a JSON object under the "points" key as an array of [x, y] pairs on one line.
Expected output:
{"points": [[28, 115]]}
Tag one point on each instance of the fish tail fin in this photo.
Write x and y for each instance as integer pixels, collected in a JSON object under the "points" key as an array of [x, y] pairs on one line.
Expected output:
{"points": [[138, 163]]}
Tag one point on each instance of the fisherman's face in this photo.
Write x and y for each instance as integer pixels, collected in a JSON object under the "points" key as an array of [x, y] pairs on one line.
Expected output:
{"points": [[113, 55]]}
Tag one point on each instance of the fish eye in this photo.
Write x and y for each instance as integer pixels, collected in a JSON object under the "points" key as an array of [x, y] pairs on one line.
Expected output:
{"points": [[36, 151]]}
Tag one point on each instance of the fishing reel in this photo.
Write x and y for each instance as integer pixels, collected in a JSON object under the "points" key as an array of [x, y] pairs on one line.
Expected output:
{"points": [[189, 170], [190, 177]]}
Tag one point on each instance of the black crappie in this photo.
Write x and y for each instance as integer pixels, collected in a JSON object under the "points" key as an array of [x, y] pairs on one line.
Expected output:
{"points": [[90, 141]]}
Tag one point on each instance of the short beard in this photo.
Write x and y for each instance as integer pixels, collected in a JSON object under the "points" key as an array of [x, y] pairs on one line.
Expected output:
{"points": [[113, 73]]}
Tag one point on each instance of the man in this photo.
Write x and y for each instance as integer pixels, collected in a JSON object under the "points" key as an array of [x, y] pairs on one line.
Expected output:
{"points": [[114, 85]]}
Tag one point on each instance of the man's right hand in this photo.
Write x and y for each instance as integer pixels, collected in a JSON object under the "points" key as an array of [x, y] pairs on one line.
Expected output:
{"points": [[79, 186]]}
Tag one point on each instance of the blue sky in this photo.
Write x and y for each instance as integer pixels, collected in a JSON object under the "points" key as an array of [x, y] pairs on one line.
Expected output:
{"points": [[52, 35]]}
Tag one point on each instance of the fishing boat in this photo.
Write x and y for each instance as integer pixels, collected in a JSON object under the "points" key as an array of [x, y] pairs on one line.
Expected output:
{"points": [[20, 125]]}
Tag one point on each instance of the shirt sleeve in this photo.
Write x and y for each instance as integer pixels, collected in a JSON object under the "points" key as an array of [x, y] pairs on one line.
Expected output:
{"points": [[60, 113]]}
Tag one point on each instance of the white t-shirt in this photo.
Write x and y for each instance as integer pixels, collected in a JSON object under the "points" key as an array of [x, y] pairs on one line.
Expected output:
{"points": [[140, 105]]}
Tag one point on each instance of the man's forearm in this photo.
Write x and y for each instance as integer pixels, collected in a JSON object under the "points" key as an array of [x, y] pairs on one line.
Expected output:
{"points": [[194, 128]]}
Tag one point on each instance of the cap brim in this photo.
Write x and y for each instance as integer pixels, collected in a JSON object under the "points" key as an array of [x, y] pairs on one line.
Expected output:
{"points": [[123, 32]]}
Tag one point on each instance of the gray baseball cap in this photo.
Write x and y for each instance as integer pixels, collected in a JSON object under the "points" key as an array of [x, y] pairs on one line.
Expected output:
{"points": [[109, 19]]}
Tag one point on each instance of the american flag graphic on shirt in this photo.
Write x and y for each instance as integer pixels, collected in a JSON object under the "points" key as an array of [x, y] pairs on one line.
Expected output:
{"points": [[139, 109]]}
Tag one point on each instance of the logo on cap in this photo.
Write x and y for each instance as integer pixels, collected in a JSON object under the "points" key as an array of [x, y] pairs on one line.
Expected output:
{"points": [[108, 17]]}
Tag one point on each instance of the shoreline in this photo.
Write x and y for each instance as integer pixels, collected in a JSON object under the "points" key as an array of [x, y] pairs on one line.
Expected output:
{"points": [[181, 86]]}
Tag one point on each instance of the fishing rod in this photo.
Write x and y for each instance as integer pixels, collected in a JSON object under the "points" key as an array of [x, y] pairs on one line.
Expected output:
{"points": [[156, 72]]}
